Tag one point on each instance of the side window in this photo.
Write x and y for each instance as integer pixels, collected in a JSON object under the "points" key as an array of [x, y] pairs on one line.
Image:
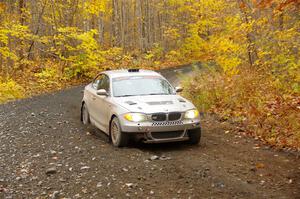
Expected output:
{"points": [[104, 83], [97, 81]]}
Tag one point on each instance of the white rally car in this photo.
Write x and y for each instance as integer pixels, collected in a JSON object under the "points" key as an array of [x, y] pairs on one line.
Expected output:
{"points": [[139, 104]]}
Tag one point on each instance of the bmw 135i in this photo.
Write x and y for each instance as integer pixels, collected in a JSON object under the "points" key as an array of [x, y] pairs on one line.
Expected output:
{"points": [[141, 105]]}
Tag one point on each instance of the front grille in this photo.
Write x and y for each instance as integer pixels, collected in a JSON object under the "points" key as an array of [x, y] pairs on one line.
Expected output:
{"points": [[159, 117], [166, 135], [170, 123], [174, 116]]}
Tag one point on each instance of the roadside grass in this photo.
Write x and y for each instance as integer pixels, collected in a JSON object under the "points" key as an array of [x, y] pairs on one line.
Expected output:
{"points": [[252, 100]]}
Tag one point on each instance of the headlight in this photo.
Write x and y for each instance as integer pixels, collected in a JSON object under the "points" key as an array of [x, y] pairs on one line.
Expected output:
{"points": [[135, 117], [191, 114]]}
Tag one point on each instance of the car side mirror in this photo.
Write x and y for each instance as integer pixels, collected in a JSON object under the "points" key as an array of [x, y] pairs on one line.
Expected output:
{"points": [[178, 89], [102, 92]]}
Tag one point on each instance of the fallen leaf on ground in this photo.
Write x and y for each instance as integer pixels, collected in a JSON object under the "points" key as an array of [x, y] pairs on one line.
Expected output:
{"points": [[260, 165]]}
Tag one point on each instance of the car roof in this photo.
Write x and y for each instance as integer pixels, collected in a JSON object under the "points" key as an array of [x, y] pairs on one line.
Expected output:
{"points": [[127, 73]]}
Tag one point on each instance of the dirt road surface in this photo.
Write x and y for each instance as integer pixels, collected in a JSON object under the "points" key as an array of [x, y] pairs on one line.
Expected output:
{"points": [[45, 152]]}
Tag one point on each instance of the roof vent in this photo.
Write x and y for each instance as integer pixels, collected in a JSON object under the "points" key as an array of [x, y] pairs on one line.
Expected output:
{"points": [[133, 70], [160, 103]]}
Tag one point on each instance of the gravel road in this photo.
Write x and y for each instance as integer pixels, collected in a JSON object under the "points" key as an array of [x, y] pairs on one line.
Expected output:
{"points": [[45, 152]]}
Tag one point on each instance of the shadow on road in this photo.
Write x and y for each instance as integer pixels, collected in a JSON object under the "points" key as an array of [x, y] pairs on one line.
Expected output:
{"points": [[152, 148], [163, 147]]}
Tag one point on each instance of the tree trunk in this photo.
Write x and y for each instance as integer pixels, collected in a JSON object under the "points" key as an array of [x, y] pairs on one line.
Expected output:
{"points": [[21, 11], [37, 30], [252, 51]]}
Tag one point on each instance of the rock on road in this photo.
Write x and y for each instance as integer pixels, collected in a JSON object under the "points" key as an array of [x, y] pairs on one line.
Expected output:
{"points": [[45, 152]]}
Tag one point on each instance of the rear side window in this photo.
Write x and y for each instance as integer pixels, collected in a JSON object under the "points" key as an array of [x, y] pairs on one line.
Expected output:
{"points": [[104, 83], [97, 81]]}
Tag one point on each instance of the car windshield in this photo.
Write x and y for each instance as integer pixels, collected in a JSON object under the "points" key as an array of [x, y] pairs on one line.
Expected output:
{"points": [[141, 85]]}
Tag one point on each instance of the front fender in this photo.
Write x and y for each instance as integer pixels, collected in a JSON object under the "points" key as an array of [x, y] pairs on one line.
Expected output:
{"points": [[116, 111]]}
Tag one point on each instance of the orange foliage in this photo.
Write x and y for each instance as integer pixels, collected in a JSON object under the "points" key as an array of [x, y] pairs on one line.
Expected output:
{"points": [[280, 6], [252, 102]]}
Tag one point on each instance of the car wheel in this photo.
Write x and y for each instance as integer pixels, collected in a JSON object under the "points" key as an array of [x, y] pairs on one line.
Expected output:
{"points": [[85, 116], [118, 138], [195, 136]]}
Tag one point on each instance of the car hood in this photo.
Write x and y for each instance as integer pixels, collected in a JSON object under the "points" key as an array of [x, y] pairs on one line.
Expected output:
{"points": [[154, 104]]}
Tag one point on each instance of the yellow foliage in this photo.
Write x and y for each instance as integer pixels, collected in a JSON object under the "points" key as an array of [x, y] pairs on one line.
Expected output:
{"points": [[173, 56], [8, 32], [10, 90], [84, 56], [95, 7], [171, 33]]}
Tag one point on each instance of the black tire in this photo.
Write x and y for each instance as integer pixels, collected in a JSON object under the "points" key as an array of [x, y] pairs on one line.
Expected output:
{"points": [[118, 138], [195, 136], [85, 116]]}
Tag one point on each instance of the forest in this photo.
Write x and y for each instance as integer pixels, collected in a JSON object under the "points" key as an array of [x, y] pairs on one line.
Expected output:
{"points": [[248, 49]]}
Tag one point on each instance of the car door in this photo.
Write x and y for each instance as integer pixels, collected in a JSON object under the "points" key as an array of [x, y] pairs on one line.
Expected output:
{"points": [[92, 96], [100, 112]]}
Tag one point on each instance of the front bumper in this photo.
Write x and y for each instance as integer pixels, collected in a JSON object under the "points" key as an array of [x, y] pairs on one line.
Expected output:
{"points": [[159, 132]]}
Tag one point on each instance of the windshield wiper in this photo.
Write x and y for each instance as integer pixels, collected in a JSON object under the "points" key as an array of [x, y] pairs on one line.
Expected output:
{"points": [[143, 94], [157, 94]]}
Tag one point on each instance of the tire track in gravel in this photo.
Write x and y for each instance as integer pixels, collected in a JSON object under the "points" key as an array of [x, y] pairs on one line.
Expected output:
{"points": [[45, 132]]}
